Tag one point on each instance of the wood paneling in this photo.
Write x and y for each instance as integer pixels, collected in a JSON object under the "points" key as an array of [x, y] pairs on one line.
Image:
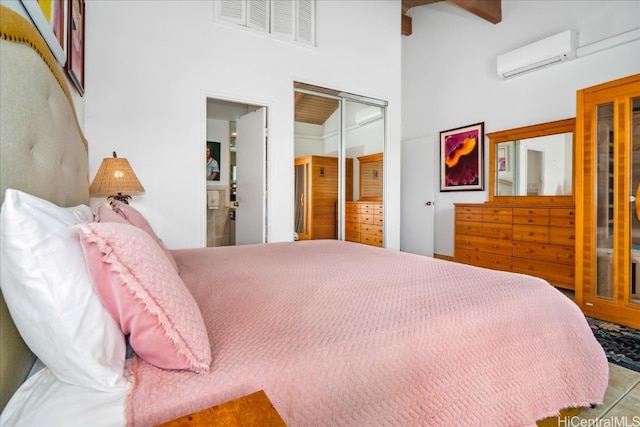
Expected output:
{"points": [[322, 195], [371, 177]]}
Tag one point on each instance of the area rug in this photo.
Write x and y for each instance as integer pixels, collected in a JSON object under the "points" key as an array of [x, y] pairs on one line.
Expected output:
{"points": [[620, 343]]}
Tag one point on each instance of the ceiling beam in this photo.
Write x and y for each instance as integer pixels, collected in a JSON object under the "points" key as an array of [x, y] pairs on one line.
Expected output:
{"points": [[489, 10], [407, 25], [408, 4]]}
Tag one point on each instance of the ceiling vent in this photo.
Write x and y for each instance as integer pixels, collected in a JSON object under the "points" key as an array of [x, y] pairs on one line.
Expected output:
{"points": [[540, 54]]}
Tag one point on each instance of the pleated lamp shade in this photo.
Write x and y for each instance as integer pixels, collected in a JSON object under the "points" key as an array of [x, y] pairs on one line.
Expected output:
{"points": [[116, 179]]}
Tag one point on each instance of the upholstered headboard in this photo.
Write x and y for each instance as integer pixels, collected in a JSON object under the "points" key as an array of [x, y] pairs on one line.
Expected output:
{"points": [[42, 152]]}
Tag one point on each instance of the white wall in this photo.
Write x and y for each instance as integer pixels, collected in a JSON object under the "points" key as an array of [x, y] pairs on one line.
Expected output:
{"points": [[151, 64], [553, 151], [449, 76], [308, 139]]}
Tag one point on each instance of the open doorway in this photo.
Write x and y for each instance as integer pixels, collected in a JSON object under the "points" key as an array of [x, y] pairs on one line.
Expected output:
{"points": [[235, 202]]}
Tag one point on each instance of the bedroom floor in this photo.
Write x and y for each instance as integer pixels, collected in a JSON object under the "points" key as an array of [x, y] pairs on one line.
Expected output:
{"points": [[621, 400]]}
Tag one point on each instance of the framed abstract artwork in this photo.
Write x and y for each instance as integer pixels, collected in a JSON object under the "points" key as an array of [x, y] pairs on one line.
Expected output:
{"points": [[75, 50], [461, 158], [50, 18]]}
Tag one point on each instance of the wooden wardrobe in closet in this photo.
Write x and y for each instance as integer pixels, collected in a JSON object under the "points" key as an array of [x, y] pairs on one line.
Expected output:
{"points": [[607, 201], [316, 192]]}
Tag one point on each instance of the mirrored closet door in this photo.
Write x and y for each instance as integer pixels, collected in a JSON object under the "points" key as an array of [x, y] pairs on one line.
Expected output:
{"points": [[335, 134]]}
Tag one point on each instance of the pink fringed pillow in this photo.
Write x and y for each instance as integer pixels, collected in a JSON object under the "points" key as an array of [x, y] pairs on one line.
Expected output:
{"points": [[146, 296], [134, 217]]}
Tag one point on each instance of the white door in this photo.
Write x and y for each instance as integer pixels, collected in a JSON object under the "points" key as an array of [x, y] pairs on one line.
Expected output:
{"points": [[251, 144], [418, 178]]}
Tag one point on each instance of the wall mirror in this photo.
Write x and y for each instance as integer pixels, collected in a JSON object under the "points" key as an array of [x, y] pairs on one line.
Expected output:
{"points": [[535, 162]]}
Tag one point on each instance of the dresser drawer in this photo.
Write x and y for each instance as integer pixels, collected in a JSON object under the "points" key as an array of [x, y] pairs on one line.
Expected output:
{"points": [[370, 229], [483, 244], [560, 275], [366, 218], [352, 208], [497, 215], [531, 233], [351, 226], [378, 219], [352, 236], [352, 217], [469, 228], [483, 259], [370, 207], [468, 214], [497, 230], [562, 236], [562, 217], [366, 209], [544, 252], [533, 216], [371, 239]]}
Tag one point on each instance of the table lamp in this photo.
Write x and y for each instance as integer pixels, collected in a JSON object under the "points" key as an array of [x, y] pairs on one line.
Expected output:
{"points": [[116, 180]]}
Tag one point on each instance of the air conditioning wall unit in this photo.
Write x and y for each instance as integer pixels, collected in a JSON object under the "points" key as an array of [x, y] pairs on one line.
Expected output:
{"points": [[543, 53], [368, 114]]}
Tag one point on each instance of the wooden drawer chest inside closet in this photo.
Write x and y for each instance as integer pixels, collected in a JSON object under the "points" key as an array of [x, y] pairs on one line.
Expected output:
{"points": [[534, 240], [363, 222]]}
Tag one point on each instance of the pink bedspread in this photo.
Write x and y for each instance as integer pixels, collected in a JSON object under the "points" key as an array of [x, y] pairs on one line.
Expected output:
{"points": [[343, 334]]}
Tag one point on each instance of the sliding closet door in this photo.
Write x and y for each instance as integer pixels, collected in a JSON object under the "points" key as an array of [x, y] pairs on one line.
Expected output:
{"points": [[333, 129], [608, 249], [316, 148]]}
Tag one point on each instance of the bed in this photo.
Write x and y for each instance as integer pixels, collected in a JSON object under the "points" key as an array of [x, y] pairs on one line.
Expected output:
{"points": [[335, 333]]}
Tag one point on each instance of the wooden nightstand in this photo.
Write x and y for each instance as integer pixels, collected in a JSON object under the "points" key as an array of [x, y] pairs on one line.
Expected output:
{"points": [[251, 410]]}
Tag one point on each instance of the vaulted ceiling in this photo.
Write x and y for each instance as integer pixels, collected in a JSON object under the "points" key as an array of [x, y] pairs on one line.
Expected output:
{"points": [[316, 110]]}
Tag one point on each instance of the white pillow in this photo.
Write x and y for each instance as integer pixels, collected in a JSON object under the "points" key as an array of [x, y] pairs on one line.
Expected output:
{"points": [[48, 291], [44, 400]]}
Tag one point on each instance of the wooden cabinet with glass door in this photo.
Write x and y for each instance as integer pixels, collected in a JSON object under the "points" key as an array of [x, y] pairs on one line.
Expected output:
{"points": [[607, 189]]}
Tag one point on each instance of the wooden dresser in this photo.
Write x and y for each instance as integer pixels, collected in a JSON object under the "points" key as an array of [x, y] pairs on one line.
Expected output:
{"points": [[535, 240], [363, 222]]}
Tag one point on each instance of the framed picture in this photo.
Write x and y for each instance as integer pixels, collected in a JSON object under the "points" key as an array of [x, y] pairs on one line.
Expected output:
{"points": [[50, 18], [213, 160], [461, 158], [503, 159], [75, 50]]}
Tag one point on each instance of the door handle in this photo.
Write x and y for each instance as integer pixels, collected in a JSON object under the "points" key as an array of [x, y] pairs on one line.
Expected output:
{"points": [[429, 203]]}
